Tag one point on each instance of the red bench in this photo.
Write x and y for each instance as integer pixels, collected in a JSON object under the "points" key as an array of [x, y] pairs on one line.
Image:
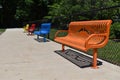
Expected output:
{"points": [[85, 35], [31, 29]]}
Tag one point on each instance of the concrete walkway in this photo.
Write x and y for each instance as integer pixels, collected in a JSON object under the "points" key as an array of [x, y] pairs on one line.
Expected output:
{"points": [[23, 58]]}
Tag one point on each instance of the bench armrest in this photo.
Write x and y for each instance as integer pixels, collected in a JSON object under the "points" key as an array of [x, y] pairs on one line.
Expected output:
{"points": [[59, 31], [89, 44]]}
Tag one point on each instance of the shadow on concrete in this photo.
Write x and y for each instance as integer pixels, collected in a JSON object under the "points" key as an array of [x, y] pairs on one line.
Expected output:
{"points": [[78, 59], [41, 40]]}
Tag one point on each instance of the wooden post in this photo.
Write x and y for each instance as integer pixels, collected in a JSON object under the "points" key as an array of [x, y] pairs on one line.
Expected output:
{"points": [[95, 58]]}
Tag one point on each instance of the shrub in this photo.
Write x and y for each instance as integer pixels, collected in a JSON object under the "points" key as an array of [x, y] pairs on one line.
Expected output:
{"points": [[115, 30]]}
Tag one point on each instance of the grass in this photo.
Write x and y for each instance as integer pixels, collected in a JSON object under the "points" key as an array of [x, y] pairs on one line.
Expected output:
{"points": [[110, 53], [2, 30], [53, 31]]}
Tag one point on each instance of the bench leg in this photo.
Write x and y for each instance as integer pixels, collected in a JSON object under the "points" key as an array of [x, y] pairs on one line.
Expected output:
{"points": [[63, 47], [44, 38], [37, 37], [95, 58]]}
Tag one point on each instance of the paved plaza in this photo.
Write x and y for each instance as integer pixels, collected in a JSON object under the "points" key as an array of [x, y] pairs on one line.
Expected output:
{"points": [[24, 58]]}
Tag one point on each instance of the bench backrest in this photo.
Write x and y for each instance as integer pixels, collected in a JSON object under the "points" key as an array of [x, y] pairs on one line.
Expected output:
{"points": [[45, 27], [27, 26], [85, 28], [32, 27]]}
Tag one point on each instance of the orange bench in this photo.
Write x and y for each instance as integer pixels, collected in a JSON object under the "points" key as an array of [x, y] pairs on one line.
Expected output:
{"points": [[85, 35]]}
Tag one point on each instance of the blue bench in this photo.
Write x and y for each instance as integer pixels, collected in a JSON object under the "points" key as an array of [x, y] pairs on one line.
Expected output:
{"points": [[44, 30]]}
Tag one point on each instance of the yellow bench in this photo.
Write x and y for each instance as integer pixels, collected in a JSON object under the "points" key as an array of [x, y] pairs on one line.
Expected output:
{"points": [[26, 27]]}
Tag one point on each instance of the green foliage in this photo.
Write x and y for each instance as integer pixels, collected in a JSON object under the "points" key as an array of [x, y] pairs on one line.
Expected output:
{"points": [[23, 13], [54, 9], [116, 26], [20, 14], [67, 10], [2, 30], [110, 52], [31, 10], [115, 30], [72, 10], [29, 2]]}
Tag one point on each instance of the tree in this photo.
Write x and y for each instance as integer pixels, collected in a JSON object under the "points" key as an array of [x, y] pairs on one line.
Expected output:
{"points": [[63, 10], [15, 12], [84, 10], [8, 12]]}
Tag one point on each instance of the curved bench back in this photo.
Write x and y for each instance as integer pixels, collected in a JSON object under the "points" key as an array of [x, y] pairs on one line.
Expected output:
{"points": [[45, 27], [84, 29], [94, 26]]}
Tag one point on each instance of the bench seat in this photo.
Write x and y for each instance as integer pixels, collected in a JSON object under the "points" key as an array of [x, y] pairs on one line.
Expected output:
{"points": [[79, 40]]}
